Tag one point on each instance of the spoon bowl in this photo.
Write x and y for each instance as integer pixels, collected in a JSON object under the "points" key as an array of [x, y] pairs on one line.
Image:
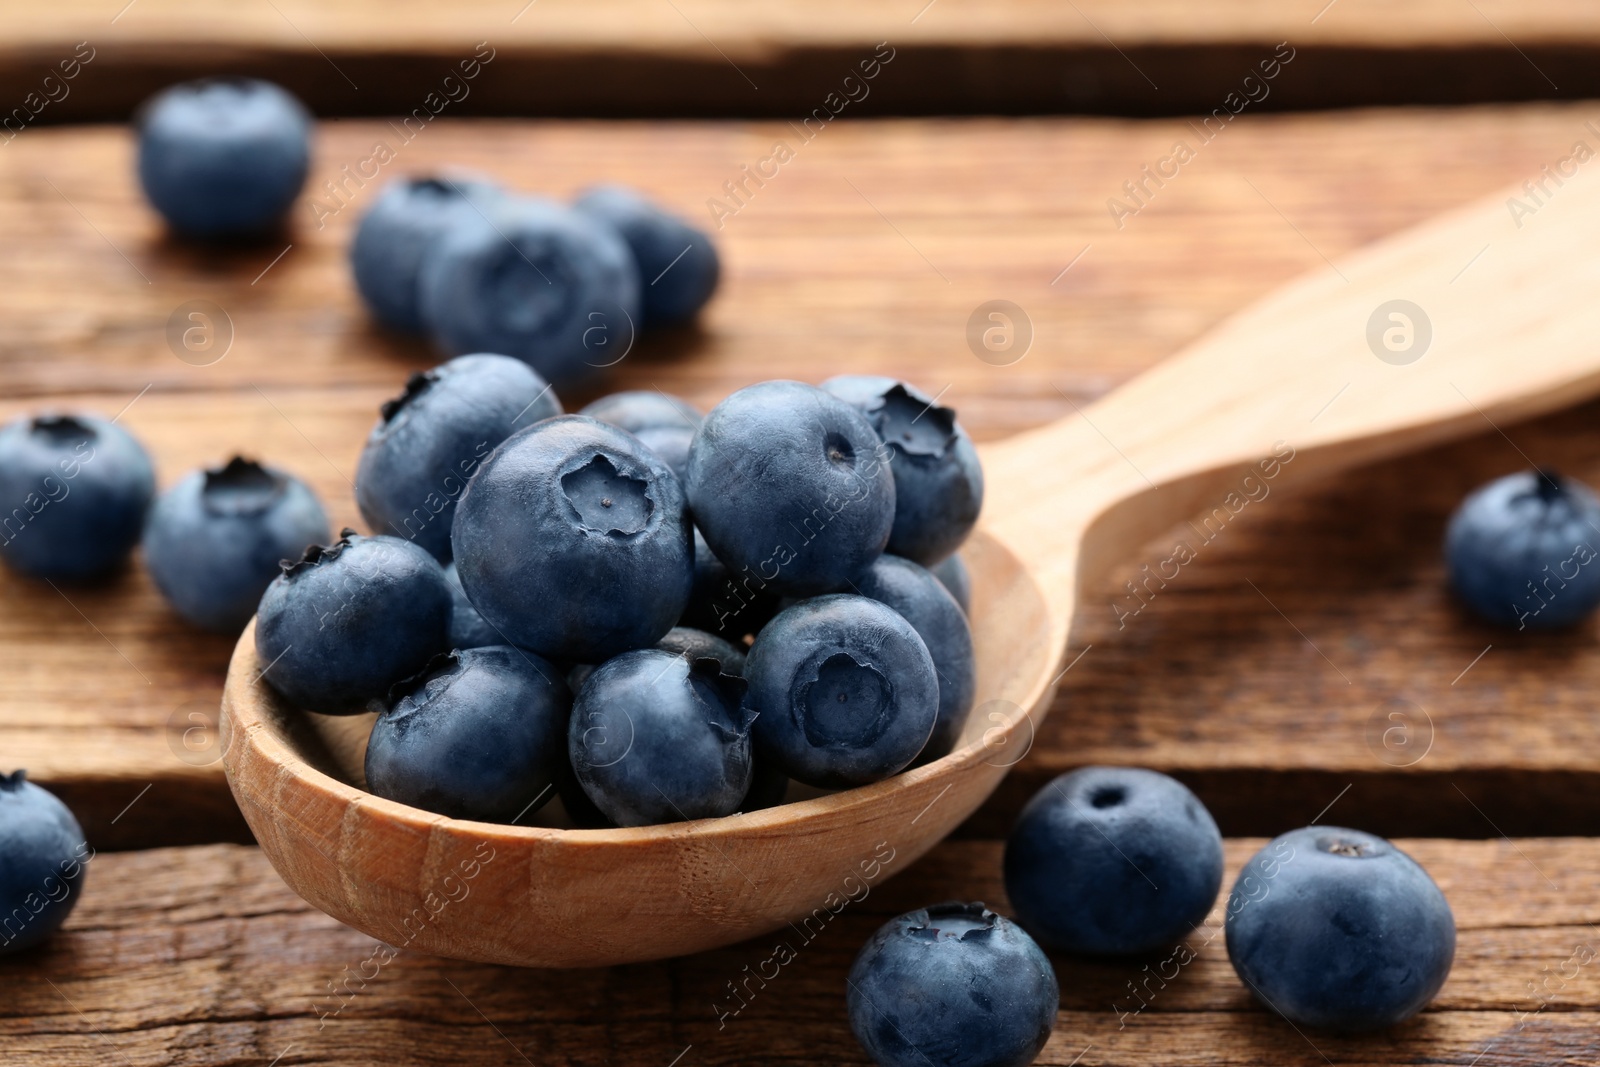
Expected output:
{"points": [[1398, 347]]}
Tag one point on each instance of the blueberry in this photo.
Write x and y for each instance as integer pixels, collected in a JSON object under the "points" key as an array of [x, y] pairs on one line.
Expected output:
{"points": [[74, 491], [431, 439], [938, 481], [768, 786], [844, 690], [42, 859], [213, 542], [394, 237], [1113, 861], [1519, 548], [223, 157], [347, 621], [697, 644], [720, 602], [529, 278], [666, 424], [468, 629], [788, 482], [954, 985], [572, 540], [480, 734], [678, 265], [1339, 929], [939, 621], [952, 571], [658, 738]]}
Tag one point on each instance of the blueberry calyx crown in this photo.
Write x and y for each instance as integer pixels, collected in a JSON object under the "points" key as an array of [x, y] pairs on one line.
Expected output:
{"points": [[10, 783], [316, 555], [1107, 796], [62, 429], [241, 487], [912, 424], [416, 385], [1349, 846], [962, 921], [1548, 485], [731, 687], [439, 663]]}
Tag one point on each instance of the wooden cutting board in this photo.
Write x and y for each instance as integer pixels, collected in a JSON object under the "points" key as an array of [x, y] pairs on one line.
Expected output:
{"points": [[1256, 676]]}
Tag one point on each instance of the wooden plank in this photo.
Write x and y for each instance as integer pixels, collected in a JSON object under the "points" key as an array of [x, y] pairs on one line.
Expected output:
{"points": [[868, 252], [721, 57], [202, 956]]}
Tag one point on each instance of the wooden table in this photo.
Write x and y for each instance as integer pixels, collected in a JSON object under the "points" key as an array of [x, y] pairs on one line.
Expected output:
{"points": [[1256, 677]]}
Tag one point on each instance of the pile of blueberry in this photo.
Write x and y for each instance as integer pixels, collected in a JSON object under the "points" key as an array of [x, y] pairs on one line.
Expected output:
{"points": [[655, 615], [1331, 928]]}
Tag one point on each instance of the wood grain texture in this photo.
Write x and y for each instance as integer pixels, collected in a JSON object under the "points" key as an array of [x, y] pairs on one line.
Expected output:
{"points": [[200, 956], [724, 58], [1209, 681]]}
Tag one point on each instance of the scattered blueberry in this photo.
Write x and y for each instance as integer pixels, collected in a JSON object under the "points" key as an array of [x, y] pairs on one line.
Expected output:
{"points": [[1339, 929], [534, 280], [1519, 550], [431, 439], [697, 644], [1113, 861], [42, 859], [725, 604], [658, 738], [468, 629], [393, 238], [223, 157], [952, 571], [954, 985], [938, 481], [844, 690], [788, 482], [74, 491], [572, 540], [644, 409], [678, 265], [939, 621], [347, 621], [480, 734]]}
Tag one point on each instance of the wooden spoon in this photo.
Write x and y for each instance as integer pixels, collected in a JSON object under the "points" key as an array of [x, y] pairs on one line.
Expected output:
{"points": [[1509, 326]]}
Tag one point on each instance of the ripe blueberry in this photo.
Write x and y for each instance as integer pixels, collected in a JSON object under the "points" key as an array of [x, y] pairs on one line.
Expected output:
{"points": [[468, 629], [952, 571], [656, 737], [844, 690], [723, 603], [788, 482], [480, 734], [1339, 929], [213, 541], [74, 491], [223, 157], [347, 621], [431, 439], [938, 481], [666, 424], [1520, 551], [1113, 861], [572, 540], [42, 859], [697, 644], [529, 278], [394, 237], [954, 985], [678, 265]]}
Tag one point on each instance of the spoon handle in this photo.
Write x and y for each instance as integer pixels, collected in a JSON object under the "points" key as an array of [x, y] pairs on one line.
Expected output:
{"points": [[1464, 324]]}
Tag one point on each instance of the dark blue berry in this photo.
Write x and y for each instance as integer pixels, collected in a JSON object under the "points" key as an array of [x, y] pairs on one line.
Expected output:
{"points": [[697, 644], [954, 985], [42, 860], [431, 439], [644, 409], [74, 491], [214, 541], [788, 482], [930, 609], [553, 287], [938, 481], [656, 738], [844, 690], [723, 603], [952, 571], [1338, 929], [394, 237], [1520, 551], [468, 629], [1113, 861], [340, 626], [572, 540], [223, 157], [480, 734], [678, 265]]}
